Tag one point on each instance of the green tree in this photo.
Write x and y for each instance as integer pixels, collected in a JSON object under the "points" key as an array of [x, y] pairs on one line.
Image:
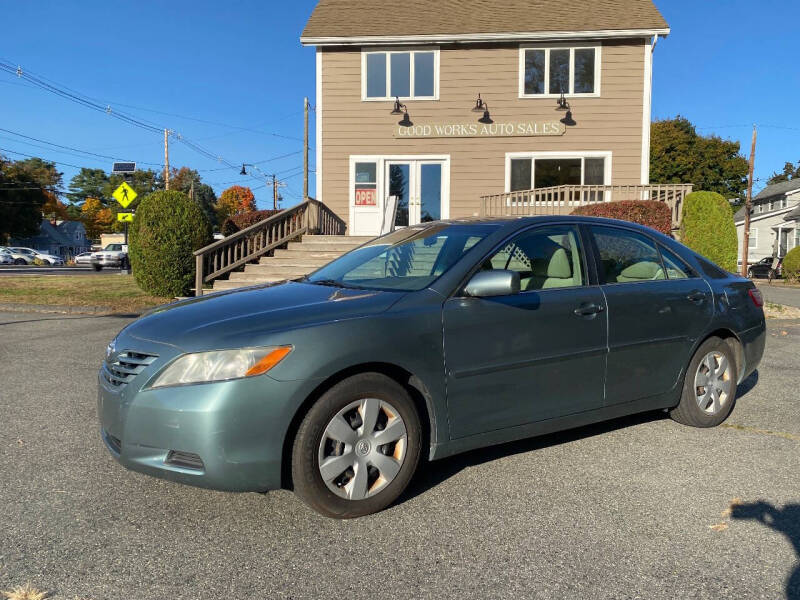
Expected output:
{"points": [[167, 229], [707, 228], [678, 154], [41, 171], [789, 172], [190, 182], [21, 200], [89, 183]]}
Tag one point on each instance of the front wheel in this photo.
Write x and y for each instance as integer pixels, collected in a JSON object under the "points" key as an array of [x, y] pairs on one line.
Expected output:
{"points": [[750, 273], [709, 388], [357, 448]]}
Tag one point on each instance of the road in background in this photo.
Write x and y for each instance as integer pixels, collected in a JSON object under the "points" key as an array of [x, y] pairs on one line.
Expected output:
{"points": [[82, 270], [780, 294], [635, 508]]}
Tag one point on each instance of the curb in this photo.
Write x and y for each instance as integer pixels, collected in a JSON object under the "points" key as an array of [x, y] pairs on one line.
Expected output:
{"points": [[65, 309]]}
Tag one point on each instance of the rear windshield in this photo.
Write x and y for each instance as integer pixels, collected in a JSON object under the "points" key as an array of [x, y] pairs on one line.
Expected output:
{"points": [[408, 259]]}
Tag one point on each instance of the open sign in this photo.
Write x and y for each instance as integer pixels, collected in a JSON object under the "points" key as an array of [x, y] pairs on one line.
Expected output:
{"points": [[366, 197]]}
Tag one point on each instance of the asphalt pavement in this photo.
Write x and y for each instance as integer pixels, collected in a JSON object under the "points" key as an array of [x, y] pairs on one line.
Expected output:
{"points": [[780, 294], [77, 270], [635, 508]]}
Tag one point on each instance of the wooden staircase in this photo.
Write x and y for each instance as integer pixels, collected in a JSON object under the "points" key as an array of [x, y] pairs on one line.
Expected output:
{"points": [[298, 259]]}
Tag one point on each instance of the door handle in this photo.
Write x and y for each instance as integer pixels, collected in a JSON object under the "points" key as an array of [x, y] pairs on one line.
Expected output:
{"points": [[696, 297], [586, 310]]}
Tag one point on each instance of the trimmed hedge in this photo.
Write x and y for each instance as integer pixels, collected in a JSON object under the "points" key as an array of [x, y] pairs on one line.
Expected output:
{"points": [[241, 221], [707, 228], [167, 229], [651, 213], [791, 264]]}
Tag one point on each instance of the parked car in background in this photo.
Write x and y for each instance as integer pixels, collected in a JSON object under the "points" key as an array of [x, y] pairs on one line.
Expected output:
{"points": [[763, 267], [113, 255], [426, 342], [20, 258], [84, 258], [32, 254]]}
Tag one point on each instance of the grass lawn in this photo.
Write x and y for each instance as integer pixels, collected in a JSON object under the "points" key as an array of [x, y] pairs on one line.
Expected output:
{"points": [[118, 293]]}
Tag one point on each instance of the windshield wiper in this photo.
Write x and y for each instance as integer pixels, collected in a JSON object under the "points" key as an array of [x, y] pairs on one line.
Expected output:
{"points": [[335, 283]]}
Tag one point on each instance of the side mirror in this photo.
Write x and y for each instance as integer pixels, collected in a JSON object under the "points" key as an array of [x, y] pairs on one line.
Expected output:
{"points": [[493, 283]]}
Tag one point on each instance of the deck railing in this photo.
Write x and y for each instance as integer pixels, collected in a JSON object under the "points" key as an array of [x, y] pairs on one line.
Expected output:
{"points": [[235, 251], [563, 199]]}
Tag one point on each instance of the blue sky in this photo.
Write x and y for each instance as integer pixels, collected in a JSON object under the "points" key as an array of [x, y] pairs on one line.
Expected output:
{"points": [[239, 66]]}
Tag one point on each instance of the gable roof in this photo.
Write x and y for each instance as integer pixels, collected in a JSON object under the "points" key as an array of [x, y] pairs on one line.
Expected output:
{"points": [[353, 21], [779, 189]]}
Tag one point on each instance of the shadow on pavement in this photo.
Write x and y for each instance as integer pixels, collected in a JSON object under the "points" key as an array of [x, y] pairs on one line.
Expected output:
{"points": [[784, 520], [75, 317], [432, 474], [748, 384]]}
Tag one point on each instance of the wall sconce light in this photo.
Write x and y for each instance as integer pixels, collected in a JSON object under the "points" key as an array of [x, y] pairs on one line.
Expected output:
{"points": [[561, 103], [568, 120], [401, 109], [480, 106], [486, 118]]}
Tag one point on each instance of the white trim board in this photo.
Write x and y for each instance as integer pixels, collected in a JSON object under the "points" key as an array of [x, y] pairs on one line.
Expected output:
{"points": [[647, 109], [463, 38], [318, 129]]}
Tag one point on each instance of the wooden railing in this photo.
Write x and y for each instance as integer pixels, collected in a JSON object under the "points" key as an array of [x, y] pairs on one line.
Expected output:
{"points": [[563, 199], [235, 251]]}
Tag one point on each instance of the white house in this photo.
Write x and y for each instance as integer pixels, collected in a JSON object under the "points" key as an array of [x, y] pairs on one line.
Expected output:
{"points": [[775, 216]]}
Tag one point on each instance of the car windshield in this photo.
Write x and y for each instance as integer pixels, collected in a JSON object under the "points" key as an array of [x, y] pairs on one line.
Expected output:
{"points": [[114, 247], [408, 259]]}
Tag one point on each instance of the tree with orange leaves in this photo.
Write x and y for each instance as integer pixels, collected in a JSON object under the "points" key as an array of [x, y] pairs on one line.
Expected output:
{"points": [[54, 207], [234, 201]]}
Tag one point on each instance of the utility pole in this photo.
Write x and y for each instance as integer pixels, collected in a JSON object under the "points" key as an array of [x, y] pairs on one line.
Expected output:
{"points": [[748, 206], [305, 149], [275, 185], [166, 159], [191, 190]]}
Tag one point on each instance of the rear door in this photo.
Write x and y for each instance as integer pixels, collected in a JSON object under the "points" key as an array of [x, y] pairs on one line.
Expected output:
{"points": [[657, 308], [530, 356]]}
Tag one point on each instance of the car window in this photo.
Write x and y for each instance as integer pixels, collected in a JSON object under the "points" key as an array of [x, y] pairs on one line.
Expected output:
{"points": [[626, 256], [114, 247], [407, 259], [676, 268], [545, 258]]}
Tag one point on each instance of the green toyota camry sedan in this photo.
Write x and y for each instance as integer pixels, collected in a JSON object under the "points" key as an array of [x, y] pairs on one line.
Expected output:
{"points": [[420, 344]]}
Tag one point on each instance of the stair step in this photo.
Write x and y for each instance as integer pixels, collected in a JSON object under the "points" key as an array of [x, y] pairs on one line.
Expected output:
{"points": [[305, 254], [257, 270], [322, 247], [221, 284], [359, 239], [296, 261]]}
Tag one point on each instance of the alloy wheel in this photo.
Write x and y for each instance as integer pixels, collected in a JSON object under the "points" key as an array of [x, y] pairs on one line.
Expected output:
{"points": [[713, 383], [362, 449]]}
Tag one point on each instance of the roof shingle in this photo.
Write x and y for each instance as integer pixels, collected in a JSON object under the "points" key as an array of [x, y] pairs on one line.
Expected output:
{"points": [[378, 18]]}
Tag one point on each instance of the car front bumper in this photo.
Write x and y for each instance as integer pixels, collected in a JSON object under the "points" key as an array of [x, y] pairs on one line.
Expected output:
{"points": [[106, 262], [236, 428]]}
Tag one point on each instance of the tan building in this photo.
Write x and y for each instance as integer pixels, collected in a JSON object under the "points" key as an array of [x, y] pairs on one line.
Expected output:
{"points": [[398, 84]]}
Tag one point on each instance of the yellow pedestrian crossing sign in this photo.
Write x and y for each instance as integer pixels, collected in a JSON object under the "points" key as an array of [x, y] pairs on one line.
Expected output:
{"points": [[124, 194], [123, 217]]}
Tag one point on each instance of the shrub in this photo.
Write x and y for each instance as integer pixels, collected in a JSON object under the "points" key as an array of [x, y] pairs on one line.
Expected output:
{"points": [[241, 221], [791, 264], [645, 212], [708, 229], [167, 228]]}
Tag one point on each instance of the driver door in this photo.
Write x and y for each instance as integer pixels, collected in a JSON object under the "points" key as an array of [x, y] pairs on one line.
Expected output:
{"points": [[535, 355]]}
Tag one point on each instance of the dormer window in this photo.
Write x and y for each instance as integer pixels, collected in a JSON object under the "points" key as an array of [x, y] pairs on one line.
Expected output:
{"points": [[407, 74], [552, 71]]}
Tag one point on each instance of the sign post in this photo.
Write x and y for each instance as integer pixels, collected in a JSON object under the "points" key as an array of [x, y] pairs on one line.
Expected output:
{"points": [[124, 195]]}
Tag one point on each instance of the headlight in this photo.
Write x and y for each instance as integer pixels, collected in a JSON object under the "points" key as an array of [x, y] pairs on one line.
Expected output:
{"points": [[219, 365]]}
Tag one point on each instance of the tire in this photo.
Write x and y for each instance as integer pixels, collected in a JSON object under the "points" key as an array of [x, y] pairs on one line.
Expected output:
{"points": [[20, 261], [710, 405], [362, 472], [750, 273], [97, 267]]}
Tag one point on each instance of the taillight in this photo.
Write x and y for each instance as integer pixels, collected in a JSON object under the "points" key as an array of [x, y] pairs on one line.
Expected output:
{"points": [[756, 297]]}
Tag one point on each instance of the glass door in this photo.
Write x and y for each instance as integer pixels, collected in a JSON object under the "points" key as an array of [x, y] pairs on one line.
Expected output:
{"points": [[417, 185]]}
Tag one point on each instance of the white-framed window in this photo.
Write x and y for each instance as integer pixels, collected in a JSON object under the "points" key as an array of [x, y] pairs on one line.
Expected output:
{"points": [[784, 202], [411, 74], [548, 71], [531, 170], [752, 241], [796, 237]]}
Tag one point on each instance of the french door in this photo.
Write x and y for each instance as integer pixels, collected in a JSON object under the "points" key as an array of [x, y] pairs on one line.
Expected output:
{"points": [[418, 187]]}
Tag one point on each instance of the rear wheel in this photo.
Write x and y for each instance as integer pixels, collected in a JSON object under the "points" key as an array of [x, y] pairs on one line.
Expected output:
{"points": [[357, 448], [20, 261], [709, 388], [97, 267], [750, 273]]}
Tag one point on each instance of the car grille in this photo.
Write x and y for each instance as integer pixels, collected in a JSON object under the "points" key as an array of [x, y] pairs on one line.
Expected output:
{"points": [[187, 460], [125, 367]]}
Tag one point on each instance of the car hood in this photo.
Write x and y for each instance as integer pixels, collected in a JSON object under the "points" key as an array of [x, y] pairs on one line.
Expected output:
{"points": [[251, 316]]}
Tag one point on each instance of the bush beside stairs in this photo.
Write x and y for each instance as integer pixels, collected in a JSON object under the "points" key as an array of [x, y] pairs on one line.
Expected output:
{"points": [[298, 259]]}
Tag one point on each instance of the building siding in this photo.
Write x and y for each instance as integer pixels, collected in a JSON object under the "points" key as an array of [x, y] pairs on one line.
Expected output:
{"points": [[611, 122]]}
